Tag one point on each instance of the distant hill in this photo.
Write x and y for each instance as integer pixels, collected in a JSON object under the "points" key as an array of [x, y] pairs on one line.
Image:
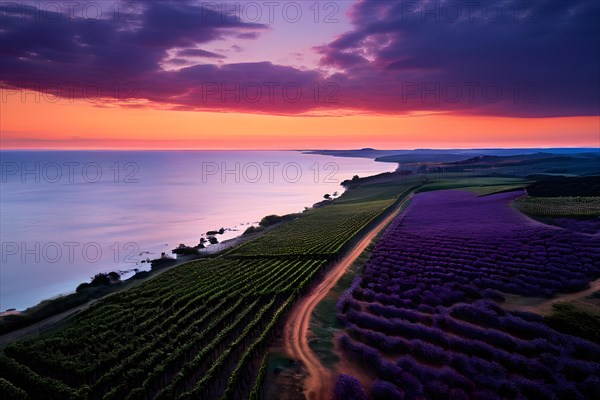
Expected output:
{"points": [[423, 157], [532, 164], [453, 155], [360, 153], [506, 160]]}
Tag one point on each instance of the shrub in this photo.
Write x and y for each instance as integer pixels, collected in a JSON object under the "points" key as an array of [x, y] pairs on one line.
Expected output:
{"points": [[348, 388]]}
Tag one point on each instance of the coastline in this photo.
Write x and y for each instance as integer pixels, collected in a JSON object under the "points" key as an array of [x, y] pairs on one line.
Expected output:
{"points": [[38, 326], [54, 321]]}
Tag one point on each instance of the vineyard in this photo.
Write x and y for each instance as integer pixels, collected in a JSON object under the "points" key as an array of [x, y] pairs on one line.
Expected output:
{"points": [[321, 231], [179, 335], [425, 319], [559, 206], [199, 331]]}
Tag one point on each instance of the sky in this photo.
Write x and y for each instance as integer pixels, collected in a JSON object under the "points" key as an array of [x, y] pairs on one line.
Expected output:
{"points": [[299, 75]]}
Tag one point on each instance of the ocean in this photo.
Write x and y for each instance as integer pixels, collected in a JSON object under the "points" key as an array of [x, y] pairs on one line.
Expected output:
{"points": [[67, 215]]}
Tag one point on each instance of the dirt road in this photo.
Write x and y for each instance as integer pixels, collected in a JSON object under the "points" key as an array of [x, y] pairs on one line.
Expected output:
{"points": [[543, 305], [318, 384]]}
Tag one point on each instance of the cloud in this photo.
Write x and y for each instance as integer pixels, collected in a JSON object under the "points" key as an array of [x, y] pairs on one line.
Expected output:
{"points": [[261, 87], [399, 58], [178, 61], [248, 35], [542, 56], [198, 53], [55, 48], [339, 59]]}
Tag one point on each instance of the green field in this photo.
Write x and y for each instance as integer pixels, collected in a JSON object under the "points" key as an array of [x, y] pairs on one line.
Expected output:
{"points": [[559, 206], [488, 190], [480, 185], [200, 330]]}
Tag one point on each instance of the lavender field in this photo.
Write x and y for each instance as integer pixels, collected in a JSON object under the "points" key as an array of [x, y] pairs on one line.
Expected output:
{"points": [[426, 316]]}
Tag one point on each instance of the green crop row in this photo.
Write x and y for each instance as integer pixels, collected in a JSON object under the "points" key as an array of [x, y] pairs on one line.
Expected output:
{"points": [[559, 206]]}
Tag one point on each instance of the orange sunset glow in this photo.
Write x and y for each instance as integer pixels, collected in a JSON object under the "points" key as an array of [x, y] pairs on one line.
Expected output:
{"points": [[66, 125]]}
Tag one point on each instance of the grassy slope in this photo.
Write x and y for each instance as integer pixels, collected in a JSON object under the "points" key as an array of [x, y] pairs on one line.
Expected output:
{"points": [[481, 185]]}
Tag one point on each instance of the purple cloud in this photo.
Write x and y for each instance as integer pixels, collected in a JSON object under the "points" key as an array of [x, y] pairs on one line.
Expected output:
{"points": [[198, 53], [542, 56], [400, 57], [248, 35]]}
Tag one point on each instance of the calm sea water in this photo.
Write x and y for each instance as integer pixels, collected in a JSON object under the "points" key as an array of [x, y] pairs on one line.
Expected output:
{"points": [[68, 215]]}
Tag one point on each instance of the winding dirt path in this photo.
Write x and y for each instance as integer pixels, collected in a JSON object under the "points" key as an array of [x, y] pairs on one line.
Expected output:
{"points": [[318, 384], [543, 305]]}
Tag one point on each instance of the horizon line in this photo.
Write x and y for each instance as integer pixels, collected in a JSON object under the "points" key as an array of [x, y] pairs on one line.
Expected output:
{"points": [[313, 149]]}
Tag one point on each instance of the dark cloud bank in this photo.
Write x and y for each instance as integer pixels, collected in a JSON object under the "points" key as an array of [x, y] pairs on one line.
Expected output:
{"points": [[506, 58]]}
